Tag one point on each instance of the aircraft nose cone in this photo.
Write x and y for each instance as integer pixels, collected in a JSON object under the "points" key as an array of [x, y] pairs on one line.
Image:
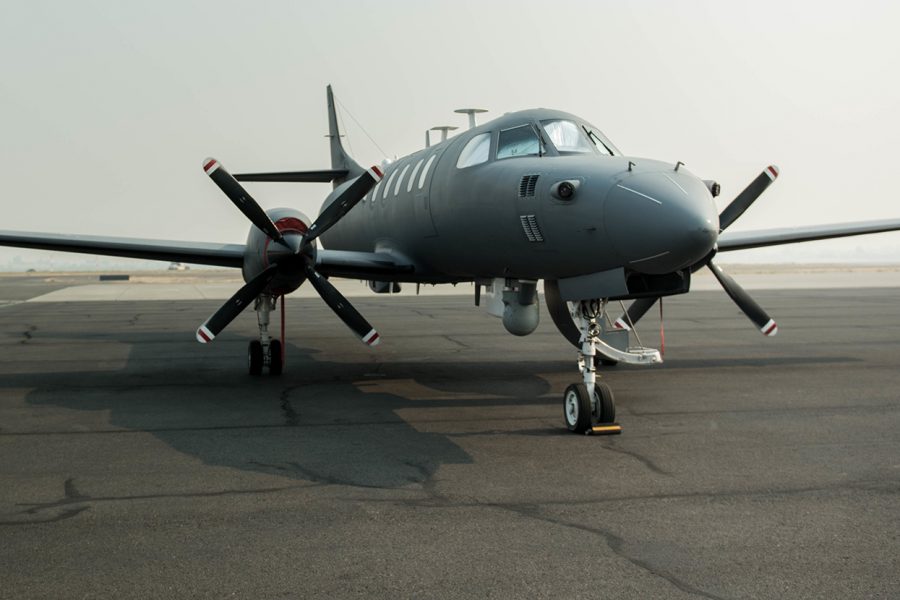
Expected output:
{"points": [[660, 222]]}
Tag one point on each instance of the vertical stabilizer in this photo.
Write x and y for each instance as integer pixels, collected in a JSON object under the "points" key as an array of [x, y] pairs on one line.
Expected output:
{"points": [[340, 160]]}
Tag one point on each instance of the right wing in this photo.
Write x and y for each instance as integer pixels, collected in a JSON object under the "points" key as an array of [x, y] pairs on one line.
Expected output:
{"points": [[200, 253], [774, 237]]}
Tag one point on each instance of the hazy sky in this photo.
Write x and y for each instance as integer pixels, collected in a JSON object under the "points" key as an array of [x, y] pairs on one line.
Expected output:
{"points": [[108, 108]]}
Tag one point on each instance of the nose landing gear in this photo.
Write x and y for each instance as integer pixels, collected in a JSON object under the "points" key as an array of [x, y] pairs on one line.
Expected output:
{"points": [[266, 352], [589, 407]]}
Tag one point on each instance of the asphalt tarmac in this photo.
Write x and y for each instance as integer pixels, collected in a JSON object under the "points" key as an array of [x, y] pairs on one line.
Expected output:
{"points": [[135, 462]]}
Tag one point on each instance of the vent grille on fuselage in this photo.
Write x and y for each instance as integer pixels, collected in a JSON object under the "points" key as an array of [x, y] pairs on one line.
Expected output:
{"points": [[527, 186], [531, 229]]}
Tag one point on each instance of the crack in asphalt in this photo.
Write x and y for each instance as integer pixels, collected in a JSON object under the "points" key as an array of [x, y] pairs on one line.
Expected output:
{"points": [[291, 416], [27, 335], [647, 462], [72, 496], [615, 543]]}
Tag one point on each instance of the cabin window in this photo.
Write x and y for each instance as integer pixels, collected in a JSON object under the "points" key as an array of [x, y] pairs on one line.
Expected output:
{"points": [[475, 152], [567, 136], [425, 171], [412, 177], [387, 186], [400, 179], [518, 141]]}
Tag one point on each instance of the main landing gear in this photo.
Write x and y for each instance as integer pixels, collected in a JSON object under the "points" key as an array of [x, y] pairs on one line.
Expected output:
{"points": [[266, 352], [589, 407]]}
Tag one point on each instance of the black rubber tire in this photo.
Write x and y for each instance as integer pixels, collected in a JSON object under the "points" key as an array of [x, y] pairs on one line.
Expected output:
{"points": [[276, 358], [577, 408], [606, 403], [255, 358]]}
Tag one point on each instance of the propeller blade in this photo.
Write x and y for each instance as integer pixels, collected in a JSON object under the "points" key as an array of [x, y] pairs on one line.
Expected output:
{"points": [[239, 196], [343, 203], [636, 310], [237, 303], [747, 304], [743, 200], [342, 308]]}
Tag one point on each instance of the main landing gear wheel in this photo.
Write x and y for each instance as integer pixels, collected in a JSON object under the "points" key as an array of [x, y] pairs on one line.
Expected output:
{"points": [[255, 357], [577, 408], [276, 358]]}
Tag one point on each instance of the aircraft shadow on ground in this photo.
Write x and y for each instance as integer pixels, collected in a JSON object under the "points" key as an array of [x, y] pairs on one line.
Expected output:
{"points": [[317, 422]]}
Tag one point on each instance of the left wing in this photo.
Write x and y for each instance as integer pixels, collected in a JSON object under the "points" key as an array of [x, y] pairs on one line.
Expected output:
{"points": [[380, 266], [774, 237], [200, 253]]}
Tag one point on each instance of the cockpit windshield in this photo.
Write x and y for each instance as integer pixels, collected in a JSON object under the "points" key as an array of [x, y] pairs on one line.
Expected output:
{"points": [[567, 136]]}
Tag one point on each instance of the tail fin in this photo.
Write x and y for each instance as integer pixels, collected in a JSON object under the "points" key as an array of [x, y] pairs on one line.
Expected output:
{"points": [[340, 160]]}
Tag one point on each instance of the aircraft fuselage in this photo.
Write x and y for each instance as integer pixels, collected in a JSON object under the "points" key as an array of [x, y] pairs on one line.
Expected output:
{"points": [[506, 215]]}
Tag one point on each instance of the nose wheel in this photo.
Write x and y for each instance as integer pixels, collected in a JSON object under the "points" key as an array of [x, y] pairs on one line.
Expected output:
{"points": [[589, 407]]}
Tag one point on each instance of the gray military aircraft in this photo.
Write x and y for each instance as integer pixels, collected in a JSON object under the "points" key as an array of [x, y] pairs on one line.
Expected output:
{"points": [[533, 195]]}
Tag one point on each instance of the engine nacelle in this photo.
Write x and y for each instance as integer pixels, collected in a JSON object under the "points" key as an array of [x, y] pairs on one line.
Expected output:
{"points": [[261, 251]]}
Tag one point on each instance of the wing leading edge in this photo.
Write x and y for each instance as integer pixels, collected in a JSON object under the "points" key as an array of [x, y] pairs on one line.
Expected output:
{"points": [[774, 237], [381, 266], [200, 253]]}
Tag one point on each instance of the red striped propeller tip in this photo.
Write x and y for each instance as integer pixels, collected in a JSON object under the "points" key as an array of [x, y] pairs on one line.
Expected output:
{"points": [[769, 328], [376, 173], [210, 165], [772, 172], [372, 338], [204, 335]]}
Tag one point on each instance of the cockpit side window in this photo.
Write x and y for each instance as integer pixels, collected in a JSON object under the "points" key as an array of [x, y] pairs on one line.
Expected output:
{"points": [[475, 152], [518, 141], [603, 145], [567, 136]]}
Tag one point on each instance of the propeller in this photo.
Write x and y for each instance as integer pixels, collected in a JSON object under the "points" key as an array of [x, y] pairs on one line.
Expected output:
{"points": [[302, 253], [748, 305]]}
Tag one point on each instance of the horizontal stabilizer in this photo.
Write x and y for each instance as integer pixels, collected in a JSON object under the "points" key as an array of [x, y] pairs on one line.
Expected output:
{"points": [[324, 176]]}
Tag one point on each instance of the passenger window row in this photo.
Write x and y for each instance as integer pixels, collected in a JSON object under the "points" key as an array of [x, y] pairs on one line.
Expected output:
{"points": [[399, 175]]}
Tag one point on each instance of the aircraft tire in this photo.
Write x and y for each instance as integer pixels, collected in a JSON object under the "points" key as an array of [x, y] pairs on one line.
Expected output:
{"points": [[276, 358], [606, 404], [255, 358], [577, 408]]}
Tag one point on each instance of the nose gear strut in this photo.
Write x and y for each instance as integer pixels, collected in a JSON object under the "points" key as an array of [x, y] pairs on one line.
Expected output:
{"points": [[589, 407]]}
